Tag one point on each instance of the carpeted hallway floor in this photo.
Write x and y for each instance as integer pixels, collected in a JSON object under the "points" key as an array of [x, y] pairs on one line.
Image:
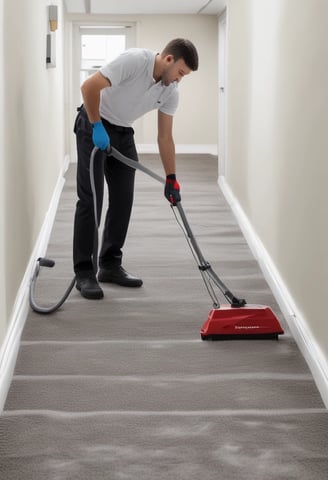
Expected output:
{"points": [[123, 388]]}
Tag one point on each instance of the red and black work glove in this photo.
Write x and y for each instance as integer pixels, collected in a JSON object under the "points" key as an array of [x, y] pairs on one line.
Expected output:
{"points": [[172, 189]]}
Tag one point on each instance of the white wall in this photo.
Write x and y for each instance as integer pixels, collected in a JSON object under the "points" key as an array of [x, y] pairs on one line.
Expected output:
{"points": [[32, 138], [2, 185], [196, 119], [278, 144]]}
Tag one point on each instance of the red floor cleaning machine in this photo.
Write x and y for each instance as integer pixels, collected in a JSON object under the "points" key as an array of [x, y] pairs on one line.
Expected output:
{"points": [[235, 320]]}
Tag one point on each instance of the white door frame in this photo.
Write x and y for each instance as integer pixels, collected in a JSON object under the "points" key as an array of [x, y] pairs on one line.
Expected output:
{"points": [[222, 62]]}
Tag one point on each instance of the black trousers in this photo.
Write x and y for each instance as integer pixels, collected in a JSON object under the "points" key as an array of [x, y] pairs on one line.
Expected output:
{"points": [[120, 182]]}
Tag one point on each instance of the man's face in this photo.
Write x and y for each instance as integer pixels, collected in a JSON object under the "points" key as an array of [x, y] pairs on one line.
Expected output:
{"points": [[174, 71]]}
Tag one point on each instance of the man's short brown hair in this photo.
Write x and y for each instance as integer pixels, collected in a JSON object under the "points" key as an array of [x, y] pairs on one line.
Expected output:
{"points": [[185, 49]]}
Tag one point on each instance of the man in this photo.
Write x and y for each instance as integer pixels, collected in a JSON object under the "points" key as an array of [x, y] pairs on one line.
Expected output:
{"points": [[136, 82]]}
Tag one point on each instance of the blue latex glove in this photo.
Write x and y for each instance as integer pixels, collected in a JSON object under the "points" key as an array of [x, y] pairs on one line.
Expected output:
{"points": [[100, 137]]}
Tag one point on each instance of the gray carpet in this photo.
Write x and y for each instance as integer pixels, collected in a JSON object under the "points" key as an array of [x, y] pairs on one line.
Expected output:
{"points": [[123, 388]]}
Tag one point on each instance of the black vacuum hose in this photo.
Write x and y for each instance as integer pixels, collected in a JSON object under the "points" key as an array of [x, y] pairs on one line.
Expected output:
{"points": [[46, 262]]}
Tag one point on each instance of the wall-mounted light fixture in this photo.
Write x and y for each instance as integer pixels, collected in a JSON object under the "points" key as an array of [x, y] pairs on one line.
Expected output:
{"points": [[53, 17]]}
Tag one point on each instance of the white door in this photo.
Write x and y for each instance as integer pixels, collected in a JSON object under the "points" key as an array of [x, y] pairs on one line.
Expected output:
{"points": [[222, 94]]}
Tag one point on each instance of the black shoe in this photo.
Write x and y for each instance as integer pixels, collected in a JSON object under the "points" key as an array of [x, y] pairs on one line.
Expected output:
{"points": [[117, 274], [88, 286]]}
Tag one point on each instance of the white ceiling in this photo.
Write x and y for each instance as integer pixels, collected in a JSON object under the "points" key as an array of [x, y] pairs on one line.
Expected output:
{"points": [[207, 7]]}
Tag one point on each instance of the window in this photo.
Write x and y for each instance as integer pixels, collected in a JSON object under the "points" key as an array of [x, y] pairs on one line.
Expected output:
{"points": [[99, 45]]}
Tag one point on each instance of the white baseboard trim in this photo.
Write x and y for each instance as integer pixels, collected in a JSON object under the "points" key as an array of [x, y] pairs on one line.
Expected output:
{"points": [[10, 346], [299, 328], [211, 149]]}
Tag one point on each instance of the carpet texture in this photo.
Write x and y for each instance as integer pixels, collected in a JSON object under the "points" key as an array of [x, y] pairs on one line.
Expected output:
{"points": [[124, 388]]}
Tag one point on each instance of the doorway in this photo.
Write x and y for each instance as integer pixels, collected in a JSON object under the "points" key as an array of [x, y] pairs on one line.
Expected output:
{"points": [[100, 45], [93, 46]]}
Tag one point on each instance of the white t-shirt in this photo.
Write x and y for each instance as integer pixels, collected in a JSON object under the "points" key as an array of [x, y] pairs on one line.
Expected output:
{"points": [[134, 91]]}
